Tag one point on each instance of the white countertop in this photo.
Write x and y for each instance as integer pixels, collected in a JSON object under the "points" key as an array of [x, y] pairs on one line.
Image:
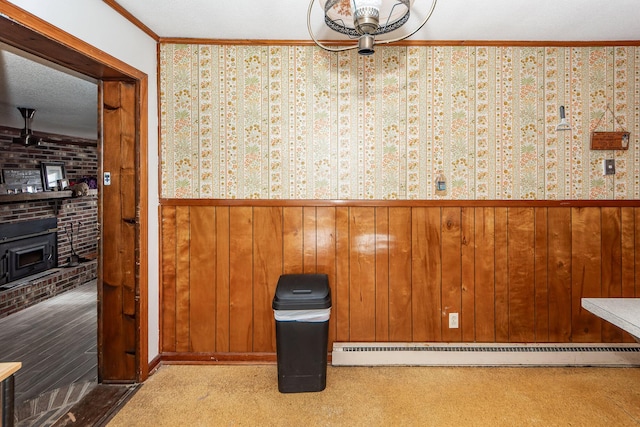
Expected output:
{"points": [[622, 312]]}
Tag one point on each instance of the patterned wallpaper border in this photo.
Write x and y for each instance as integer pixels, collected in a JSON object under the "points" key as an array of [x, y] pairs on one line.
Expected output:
{"points": [[296, 122]]}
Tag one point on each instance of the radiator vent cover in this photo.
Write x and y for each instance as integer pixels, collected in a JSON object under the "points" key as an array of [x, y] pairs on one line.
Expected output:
{"points": [[457, 354]]}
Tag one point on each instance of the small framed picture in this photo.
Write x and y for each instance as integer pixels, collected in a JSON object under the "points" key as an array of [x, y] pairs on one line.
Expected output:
{"points": [[51, 173], [63, 184], [15, 180]]}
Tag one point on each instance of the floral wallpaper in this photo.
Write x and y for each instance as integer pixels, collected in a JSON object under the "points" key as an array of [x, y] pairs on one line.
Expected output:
{"points": [[296, 122]]}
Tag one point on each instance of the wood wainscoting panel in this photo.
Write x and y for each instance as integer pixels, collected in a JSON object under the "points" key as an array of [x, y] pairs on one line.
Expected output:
{"points": [[611, 265], [541, 250], [340, 290], [362, 286], [559, 273], [521, 274], [326, 255], [396, 288], [168, 268], [202, 299], [267, 268], [241, 284], [384, 308], [468, 264], [183, 278], [426, 273], [501, 264], [451, 265], [222, 278], [513, 273], [586, 272], [630, 256], [485, 275]]}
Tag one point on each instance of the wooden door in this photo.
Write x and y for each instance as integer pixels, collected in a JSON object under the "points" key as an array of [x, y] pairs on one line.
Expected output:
{"points": [[118, 355]]}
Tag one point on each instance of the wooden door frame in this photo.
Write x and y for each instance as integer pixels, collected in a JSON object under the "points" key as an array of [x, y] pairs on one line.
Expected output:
{"points": [[31, 34]]}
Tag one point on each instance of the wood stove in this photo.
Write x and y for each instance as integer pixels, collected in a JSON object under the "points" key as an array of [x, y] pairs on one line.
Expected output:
{"points": [[27, 248]]}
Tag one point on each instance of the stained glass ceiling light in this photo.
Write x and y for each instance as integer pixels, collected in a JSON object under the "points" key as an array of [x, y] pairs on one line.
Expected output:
{"points": [[364, 20]]}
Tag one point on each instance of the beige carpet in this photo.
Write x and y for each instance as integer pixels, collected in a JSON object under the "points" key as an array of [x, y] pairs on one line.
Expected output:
{"points": [[242, 395]]}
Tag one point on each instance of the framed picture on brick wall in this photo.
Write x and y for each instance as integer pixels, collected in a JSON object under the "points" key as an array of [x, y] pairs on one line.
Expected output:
{"points": [[22, 180], [51, 173]]}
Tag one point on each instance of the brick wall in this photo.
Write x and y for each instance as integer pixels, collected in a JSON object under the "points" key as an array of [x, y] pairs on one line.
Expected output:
{"points": [[80, 158], [40, 288], [81, 213]]}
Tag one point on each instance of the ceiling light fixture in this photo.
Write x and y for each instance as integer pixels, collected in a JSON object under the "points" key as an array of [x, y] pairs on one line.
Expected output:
{"points": [[364, 20], [27, 138]]}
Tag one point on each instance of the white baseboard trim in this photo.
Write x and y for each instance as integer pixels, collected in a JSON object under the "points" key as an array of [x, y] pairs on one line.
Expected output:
{"points": [[491, 354]]}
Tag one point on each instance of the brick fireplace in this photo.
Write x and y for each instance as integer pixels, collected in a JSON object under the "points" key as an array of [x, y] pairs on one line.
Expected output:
{"points": [[76, 219]]}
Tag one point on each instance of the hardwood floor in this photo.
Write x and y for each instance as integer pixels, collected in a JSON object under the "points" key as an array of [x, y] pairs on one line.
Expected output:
{"points": [[56, 341]]}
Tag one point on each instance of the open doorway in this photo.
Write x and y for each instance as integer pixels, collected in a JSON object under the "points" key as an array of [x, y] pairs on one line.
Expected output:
{"points": [[48, 233], [122, 264]]}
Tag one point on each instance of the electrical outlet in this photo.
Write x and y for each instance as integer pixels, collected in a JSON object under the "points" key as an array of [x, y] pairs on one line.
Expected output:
{"points": [[453, 320], [609, 166]]}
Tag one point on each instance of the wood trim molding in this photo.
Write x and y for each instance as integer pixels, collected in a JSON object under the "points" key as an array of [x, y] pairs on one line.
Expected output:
{"points": [[34, 35], [154, 365], [403, 203], [216, 358], [492, 43], [135, 21], [142, 154]]}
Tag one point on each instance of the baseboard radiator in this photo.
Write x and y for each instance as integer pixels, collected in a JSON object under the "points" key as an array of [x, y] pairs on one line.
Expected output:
{"points": [[474, 354]]}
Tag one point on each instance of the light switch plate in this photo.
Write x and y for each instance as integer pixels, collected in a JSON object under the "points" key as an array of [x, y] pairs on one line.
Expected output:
{"points": [[609, 166], [107, 178]]}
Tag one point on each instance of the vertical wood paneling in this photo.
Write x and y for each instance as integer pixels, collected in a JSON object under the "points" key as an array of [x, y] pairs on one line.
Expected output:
{"points": [[168, 264], [485, 238], [384, 244], [293, 240], [326, 254], [341, 304], [513, 274], [399, 283], [521, 277], [501, 290], [585, 273], [541, 308], [183, 269], [637, 251], [627, 267], [559, 274], [241, 280], [451, 271], [468, 309], [267, 268], [426, 274], [223, 326], [309, 240], [202, 298], [611, 265], [628, 248], [362, 301]]}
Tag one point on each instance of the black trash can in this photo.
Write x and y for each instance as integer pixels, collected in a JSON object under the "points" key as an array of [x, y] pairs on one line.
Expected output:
{"points": [[302, 307]]}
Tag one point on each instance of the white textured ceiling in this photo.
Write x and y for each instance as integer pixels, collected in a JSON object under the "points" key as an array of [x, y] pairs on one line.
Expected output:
{"points": [[66, 102], [513, 20]]}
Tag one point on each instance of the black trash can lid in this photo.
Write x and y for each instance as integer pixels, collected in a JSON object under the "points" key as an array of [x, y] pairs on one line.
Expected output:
{"points": [[302, 291]]}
